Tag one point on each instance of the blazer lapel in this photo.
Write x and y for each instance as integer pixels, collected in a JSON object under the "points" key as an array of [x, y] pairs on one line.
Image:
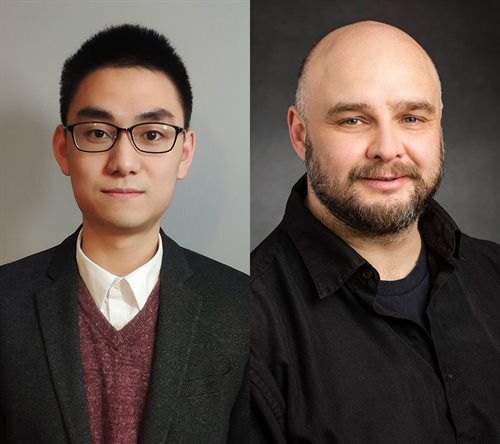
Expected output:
{"points": [[58, 312], [177, 318]]}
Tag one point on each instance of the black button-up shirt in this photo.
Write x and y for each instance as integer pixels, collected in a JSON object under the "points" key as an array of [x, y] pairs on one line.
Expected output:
{"points": [[330, 366]]}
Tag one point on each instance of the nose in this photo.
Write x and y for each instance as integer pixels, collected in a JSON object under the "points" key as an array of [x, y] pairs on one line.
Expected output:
{"points": [[123, 157], [385, 144]]}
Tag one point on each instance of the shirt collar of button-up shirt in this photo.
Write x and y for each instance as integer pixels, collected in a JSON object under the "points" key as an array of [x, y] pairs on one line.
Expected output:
{"points": [[119, 298]]}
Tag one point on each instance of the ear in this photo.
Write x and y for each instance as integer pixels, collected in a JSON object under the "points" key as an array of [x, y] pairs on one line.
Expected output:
{"points": [[188, 147], [297, 131], [59, 149]]}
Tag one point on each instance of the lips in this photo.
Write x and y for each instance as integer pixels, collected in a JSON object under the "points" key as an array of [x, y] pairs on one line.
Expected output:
{"points": [[384, 178], [122, 190], [385, 183], [122, 193]]}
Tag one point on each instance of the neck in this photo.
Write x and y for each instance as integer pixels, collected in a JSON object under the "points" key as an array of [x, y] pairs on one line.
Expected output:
{"points": [[393, 256], [119, 253]]}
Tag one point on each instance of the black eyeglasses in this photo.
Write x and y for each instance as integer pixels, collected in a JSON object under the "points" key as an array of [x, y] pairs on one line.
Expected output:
{"points": [[148, 137]]}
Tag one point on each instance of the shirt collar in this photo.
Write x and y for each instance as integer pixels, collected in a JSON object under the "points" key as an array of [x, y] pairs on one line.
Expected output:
{"points": [[440, 231], [331, 261], [98, 280]]}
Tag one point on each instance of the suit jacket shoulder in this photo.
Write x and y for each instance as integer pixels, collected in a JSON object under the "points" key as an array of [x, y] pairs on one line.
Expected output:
{"points": [[26, 272], [209, 274]]}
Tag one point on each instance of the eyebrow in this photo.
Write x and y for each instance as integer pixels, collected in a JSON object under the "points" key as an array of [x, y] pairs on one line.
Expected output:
{"points": [[343, 107], [156, 114], [408, 105], [92, 112]]}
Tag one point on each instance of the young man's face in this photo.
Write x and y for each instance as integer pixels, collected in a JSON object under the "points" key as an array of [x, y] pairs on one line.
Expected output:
{"points": [[123, 190]]}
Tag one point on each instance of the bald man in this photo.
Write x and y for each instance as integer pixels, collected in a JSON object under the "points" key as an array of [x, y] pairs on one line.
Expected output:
{"points": [[374, 319]]}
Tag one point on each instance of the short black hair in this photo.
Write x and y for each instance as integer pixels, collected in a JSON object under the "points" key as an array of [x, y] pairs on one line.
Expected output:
{"points": [[125, 46]]}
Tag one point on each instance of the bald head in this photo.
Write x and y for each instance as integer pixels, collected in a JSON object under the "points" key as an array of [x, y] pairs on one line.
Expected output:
{"points": [[362, 52]]}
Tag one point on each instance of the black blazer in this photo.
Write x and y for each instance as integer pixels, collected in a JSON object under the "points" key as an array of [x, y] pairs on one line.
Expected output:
{"points": [[197, 391]]}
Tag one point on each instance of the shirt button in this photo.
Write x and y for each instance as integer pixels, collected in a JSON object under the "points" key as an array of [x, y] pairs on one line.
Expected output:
{"points": [[448, 376], [367, 273]]}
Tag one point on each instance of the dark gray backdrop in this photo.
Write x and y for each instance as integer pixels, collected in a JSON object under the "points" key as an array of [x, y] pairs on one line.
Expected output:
{"points": [[463, 40]]}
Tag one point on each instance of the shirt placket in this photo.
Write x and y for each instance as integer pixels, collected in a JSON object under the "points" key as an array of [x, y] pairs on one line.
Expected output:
{"points": [[120, 304]]}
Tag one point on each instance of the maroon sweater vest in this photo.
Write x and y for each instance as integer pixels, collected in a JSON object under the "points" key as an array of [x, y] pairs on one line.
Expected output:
{"points": [[116, 368]]}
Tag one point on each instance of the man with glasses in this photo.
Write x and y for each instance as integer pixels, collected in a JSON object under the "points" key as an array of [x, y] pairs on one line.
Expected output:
{"points": [[118, 334]]}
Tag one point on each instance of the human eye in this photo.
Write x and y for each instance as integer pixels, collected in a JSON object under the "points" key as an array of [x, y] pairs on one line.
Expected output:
{"points": [[413, 120], [97, 134], [94, 132], [351, 122], [154, 133]]}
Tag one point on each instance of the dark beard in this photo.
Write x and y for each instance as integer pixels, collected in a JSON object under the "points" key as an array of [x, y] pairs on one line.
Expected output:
{"points": [[390, 217]]}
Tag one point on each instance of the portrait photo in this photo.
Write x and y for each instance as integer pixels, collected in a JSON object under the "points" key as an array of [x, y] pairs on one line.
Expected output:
{"points": [[125, 221], [375, 264]]}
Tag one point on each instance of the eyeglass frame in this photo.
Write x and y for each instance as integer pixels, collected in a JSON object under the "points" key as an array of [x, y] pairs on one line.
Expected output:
{"points": [[178, 130]]}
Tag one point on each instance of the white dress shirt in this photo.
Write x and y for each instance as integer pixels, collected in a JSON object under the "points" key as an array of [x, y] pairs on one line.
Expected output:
{"points": [[119, 298]]}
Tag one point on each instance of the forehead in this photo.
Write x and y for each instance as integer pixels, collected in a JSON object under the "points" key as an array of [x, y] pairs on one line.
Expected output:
{"points": [[126, 93], [378, 71]]}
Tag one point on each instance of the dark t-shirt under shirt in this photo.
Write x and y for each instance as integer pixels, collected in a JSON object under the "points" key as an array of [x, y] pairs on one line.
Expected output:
{"points": [[407, 298]]}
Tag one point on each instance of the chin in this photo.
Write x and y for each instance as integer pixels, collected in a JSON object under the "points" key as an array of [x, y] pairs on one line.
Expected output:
{"points": [[386, 201]]}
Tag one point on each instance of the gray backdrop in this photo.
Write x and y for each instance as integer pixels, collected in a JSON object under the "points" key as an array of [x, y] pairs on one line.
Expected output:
{"points": [[463, 38], [210, 211]]}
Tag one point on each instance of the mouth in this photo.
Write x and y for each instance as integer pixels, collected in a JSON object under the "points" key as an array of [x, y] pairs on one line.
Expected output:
{"points": [[384, 178], [385, 183], [122, 192]]}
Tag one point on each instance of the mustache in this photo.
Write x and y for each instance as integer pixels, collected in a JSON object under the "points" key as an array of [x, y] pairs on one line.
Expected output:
{"points": [[371, 171]]}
